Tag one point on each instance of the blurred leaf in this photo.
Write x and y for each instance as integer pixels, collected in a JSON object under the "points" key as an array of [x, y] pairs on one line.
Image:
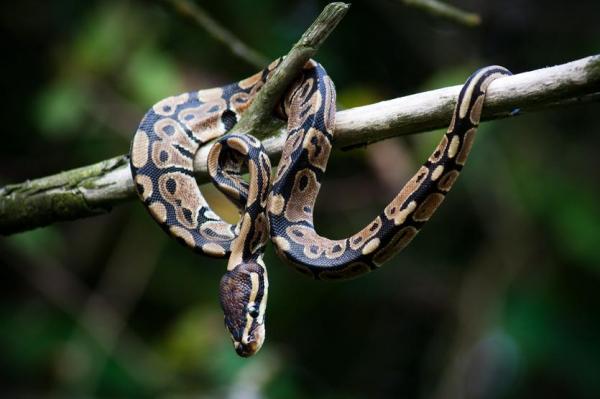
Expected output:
{"points": [[116, 381], [101, 44], [30, 336], [60, 108], [193, 337], [151, 75], [45, 241], [357, 96], [552, 336], [285, 386], [568, 208]]}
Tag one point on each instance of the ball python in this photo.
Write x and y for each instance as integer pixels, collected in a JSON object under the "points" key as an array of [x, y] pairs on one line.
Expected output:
{"points": [[175, 128]]}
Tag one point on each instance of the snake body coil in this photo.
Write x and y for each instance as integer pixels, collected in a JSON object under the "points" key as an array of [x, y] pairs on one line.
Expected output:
{"points": [[173, 130], [304, 161]]}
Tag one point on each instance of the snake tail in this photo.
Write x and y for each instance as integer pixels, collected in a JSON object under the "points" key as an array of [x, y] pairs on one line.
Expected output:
{"points": [[310, 110]]}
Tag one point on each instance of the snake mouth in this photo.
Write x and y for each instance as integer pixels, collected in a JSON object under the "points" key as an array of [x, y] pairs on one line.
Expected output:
{"points": [[248, 349], [252, 344]]}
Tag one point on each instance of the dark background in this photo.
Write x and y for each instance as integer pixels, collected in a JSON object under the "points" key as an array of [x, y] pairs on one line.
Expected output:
{"points": [[498, 297]]}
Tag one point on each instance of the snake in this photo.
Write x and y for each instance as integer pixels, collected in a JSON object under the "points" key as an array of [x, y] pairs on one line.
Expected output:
{"points": [[162, 166]]}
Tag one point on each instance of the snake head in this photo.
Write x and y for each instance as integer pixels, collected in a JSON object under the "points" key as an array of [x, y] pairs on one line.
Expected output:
{"points": [[243, 296]]}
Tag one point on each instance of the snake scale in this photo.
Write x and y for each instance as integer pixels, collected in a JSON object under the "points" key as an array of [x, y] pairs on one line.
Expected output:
{"points": [[173, 130]]}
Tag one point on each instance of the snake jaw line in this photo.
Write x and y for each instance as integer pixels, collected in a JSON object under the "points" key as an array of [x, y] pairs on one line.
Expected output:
{"points": [[252, 344], [243, 295]]}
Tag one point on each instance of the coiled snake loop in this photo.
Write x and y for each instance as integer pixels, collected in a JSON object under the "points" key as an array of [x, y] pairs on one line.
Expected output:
{"points": [[175, 128]]}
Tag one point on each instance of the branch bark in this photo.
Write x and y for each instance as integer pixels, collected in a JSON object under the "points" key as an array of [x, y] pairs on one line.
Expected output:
{"points": [[96, 188]]}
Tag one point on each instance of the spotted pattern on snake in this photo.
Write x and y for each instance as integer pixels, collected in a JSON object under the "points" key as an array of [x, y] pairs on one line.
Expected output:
{"points": [[162, 154], [244, 288], [311, 113], [175, 128]]}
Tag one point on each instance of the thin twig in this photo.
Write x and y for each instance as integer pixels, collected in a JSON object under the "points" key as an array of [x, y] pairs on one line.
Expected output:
{"points": [[258, 119], [446, 11], [119, 288], [67, 292], [240, 49], [40, 209], [95, 189]]}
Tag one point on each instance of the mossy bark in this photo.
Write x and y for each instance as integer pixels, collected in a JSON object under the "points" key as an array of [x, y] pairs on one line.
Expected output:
{"points": [[64, 196], [89, 190], [94, 189]]}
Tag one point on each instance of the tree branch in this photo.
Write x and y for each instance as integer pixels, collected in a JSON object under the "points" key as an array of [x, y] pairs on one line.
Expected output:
{"points": [[194, 12], [258, 117], [446, 11], [96, 188]]}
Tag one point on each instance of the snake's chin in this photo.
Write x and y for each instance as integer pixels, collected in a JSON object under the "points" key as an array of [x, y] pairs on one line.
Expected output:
{"points": [[254, 343]]}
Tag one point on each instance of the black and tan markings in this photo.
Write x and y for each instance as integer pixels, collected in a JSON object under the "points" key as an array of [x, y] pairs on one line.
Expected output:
{"points": [[162, 164], [244, 288], [310, 111], [162, 155]]}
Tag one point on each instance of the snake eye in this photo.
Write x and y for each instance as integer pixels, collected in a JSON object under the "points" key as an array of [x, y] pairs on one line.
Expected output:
{"points": [[253, 311]]}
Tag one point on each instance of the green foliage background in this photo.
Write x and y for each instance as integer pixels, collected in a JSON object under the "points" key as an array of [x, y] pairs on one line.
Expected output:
{"points": [[496, 298]]}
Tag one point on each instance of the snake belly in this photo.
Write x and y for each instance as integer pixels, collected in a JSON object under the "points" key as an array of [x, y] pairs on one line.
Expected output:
{"points": [[311, 112]]}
